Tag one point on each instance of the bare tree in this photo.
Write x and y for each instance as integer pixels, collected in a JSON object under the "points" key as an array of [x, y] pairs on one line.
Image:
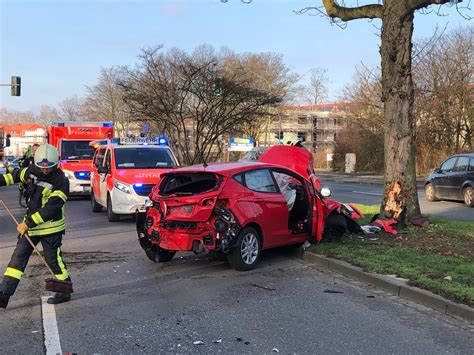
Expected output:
{"points": [[443, 105], [317, 88], [400, 198], [72, 109], [15, 117], [194, 98], [105, 100], [265, 72], [48, 115]]}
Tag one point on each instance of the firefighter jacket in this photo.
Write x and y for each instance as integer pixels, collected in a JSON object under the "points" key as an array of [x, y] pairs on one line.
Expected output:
{"points": [[48, 194]]}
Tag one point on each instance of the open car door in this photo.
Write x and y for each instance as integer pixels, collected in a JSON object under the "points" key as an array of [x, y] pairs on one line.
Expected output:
{"points": [[300, 160]]}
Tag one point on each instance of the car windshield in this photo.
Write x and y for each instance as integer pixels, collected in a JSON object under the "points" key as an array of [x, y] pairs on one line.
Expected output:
{"points": [[143, 158], [76, 150]]}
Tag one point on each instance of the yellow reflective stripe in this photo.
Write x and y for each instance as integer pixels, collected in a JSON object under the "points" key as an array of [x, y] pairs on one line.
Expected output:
{"points": [[60, 194], [36, 217], [22, 174], [16, 274], [49, 224], [64, 274], [8, 179], [45, 196], [46, 231]]}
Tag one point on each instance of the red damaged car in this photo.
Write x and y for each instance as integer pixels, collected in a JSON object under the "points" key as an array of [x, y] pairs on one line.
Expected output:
{"points": [[240, 208]]}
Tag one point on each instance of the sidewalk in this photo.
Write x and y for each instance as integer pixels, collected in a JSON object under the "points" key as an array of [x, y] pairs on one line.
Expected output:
{"points": [[356, 178]]}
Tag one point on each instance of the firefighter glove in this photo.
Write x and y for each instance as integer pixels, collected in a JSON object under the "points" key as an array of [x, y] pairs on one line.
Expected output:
{"points": [[22, 228]]}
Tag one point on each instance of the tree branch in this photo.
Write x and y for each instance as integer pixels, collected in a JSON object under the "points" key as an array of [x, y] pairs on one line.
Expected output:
{"points": [[352, 13]]}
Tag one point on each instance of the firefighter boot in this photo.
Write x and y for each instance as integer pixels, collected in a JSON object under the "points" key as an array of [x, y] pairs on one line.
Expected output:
{"points": [[4, 298], [59, 298]]}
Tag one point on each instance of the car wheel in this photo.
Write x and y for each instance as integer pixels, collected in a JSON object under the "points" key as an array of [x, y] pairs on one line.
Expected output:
{"points": [[165, 255], [94, 205], [430, 193], [468, 195], [334, 228], [112, 217], [156, 254], [247, 250]]}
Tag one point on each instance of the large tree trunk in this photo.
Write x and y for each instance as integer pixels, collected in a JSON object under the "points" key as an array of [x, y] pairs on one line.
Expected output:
{"points": [[400, 199]]}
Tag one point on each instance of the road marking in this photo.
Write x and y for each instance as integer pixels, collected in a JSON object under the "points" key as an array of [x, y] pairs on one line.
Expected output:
{"points": [[366, 193], [50, 328]]}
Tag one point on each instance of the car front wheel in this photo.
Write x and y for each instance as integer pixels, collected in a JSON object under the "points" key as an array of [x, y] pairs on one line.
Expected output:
{"points": [[95, 206], [430, 193], [468, 195], [112, 217], [247, 250]]}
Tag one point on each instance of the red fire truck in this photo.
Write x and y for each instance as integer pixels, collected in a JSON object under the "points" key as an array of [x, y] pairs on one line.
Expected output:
{"points": [[72, 140]]}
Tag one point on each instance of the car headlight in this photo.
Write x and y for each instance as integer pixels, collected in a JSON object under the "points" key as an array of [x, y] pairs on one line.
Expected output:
{"points": [[69, 174], [122, 187]]}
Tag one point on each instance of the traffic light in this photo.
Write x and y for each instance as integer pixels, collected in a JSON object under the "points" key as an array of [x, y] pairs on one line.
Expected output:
{"points": [[7, 140], [218, 86], [16, 86]]}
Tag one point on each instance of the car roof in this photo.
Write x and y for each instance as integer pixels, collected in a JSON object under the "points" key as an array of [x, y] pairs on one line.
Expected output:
{"points": [[470, 155], [227, 169], [125, 146]]}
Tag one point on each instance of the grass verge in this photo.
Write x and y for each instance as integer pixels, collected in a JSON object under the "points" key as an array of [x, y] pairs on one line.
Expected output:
{"points": [[439, 258]]}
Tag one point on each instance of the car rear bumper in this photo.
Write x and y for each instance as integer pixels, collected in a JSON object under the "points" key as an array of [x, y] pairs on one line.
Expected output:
{"points": [[185, 240]]}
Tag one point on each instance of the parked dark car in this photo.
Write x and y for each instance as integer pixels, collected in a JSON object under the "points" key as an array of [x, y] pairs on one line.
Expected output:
{"points": [[453, 180]]}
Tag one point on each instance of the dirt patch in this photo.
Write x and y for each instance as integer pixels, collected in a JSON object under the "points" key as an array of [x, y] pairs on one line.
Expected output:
{"points": [[94, 257]]}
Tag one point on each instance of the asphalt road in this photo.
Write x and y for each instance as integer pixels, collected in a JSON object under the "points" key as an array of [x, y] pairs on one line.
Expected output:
{"points": [[124, 303], [371, 194]]}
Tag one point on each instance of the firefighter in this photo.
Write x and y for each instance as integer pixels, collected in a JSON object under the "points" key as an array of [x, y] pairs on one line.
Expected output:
{"points": [[44, 221], [28, 158]]}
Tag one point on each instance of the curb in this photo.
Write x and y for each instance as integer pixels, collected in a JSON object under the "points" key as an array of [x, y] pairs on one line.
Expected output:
{"points": [[359, 181], [394, 286]]}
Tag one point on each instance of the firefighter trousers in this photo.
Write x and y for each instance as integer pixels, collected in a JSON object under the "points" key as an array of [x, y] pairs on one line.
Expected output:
{"points": [[23, 250]]}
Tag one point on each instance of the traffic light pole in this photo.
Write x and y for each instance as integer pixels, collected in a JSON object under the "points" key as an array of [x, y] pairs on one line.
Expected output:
{"points": [[15, 85]]}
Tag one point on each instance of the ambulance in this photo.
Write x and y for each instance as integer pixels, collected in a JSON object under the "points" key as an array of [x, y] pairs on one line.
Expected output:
{"points": [[72, 140], [125, 170]]}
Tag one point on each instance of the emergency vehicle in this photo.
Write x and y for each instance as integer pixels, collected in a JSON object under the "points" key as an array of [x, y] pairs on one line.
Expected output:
{"points": [[125, 170], [72, 140]]}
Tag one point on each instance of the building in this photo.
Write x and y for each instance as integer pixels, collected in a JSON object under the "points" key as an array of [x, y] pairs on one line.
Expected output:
{"points": [[317, 124], [22, 136]]}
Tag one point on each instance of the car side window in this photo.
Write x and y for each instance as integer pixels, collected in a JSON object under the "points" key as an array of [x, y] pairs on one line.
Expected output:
{"points": [[471, 165], [239, 178], [448, 165], [107, 159], [461, 164], [260, 180], [99, 157]]}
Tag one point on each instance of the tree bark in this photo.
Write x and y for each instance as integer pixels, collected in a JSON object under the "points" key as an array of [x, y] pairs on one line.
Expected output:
{"points": [[400, 198]]}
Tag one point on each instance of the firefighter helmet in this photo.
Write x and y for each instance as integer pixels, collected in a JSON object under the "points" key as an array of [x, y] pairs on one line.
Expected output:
{"points": [[46, 156]]}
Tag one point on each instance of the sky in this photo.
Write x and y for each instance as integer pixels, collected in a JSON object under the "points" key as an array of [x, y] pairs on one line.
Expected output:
{"points": [[58, 47]]}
